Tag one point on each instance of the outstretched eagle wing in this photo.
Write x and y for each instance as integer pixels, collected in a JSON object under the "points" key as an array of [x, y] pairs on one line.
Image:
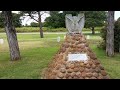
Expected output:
{"points": [[69, 22], [81, 22]]}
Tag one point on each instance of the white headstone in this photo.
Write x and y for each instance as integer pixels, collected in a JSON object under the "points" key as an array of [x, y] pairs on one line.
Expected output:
{"points": [[64, 37], [1, 41], [58, 39], [77, 57], [88, 36]]}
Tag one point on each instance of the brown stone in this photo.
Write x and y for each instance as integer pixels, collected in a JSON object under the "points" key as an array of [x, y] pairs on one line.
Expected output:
{"points": [[106, 77], [68, 65], [87, 70], [97, 70], [88, 66], [92, 70], [63, 70], [83, 74], [89, 74], [69, 70], [72, 66], [101, 67], [75, 77], [93, 66], [95, 74], [81, 77], [78, 74], [82, 64], [67, 75], [72, 74], [76, 64], [100, 77], [60, 75], [87, 78], [103, 73], [90, 62], [81, 69], [93, 78], [96, 62], [76, 69]]}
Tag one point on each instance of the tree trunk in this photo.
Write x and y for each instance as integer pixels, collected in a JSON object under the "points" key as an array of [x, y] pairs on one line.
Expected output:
{"points": [[110, 34], [11, 36], [40, 24], [93, 30]]}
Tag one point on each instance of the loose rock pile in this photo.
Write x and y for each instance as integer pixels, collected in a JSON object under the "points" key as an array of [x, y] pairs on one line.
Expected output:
{"points": [[61, 68]]}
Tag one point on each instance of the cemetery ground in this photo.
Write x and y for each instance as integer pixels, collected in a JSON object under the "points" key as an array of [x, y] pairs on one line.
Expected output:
{"points": [[38, 52]]}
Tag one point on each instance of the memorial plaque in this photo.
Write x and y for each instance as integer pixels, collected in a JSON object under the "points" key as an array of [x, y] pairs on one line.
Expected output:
{"points": [[77, 57]]}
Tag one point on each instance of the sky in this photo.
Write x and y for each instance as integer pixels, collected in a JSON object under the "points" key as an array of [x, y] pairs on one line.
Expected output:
{"points": [[27, 20]]}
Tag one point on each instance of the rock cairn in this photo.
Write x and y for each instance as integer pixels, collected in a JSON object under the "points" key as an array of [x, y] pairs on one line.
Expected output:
{"points": [[61, 68]]}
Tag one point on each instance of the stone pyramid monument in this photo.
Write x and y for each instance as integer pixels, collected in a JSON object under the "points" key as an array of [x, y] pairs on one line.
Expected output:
{"points": [[75, 59]]}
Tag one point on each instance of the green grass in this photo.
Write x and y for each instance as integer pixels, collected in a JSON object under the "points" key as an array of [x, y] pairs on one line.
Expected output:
{"points": [[38, 52]]}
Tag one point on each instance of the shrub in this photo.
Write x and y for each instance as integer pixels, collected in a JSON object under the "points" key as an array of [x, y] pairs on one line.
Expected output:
{"points": [[116, 36]]}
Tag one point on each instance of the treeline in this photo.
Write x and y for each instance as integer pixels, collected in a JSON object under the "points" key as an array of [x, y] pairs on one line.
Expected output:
{"points": [[57, 20]]}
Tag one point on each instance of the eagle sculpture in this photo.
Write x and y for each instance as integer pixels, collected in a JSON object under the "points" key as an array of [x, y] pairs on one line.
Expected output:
{"points": [[75, 24]]}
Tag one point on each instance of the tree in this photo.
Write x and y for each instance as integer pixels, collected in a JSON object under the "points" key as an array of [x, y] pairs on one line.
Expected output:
{"points": [[110, 34], [57, 19], [40, 24], [16, 20], [32, 14], [94, 19], [34, 24], [11, 35]]}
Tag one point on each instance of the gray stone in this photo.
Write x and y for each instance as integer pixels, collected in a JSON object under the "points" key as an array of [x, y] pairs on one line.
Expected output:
{"points": [[75, 24]]}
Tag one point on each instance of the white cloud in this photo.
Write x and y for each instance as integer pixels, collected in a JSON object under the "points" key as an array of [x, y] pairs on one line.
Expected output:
{"points": [[117, 14]]}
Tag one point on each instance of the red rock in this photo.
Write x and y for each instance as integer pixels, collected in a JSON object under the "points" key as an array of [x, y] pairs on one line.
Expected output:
{"points": [[76, 69], [83, 74]]}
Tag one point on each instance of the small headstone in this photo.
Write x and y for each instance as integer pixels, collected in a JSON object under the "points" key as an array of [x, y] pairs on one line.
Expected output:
{"points": [[88, 36], [64, 37], [58, 39], [1, 41], [77, 57]]}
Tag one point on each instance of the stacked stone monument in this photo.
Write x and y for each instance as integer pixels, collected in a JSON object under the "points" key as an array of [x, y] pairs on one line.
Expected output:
{"points": [[75, 59]]}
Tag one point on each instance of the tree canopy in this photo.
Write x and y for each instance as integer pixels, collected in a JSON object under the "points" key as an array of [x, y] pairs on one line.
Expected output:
{"points": [[92, 18], [16, 20]]}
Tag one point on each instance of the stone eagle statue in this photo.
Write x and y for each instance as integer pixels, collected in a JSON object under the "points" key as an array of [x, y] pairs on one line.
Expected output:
{"points": [[75, 24]]}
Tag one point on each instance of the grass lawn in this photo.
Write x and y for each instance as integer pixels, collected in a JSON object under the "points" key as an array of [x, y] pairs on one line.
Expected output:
{"points": [[37, 52]]}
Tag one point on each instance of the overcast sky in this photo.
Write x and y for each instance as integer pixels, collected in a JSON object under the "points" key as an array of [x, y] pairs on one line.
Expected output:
{"points": [[28, 20]]}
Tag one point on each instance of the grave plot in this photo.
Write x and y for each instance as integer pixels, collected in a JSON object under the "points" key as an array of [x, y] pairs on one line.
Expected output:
{"points": [[75, 60]]}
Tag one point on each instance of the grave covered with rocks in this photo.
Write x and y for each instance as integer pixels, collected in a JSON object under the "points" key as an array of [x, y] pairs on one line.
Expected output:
{"points": [[75, 59], [62, 68]]}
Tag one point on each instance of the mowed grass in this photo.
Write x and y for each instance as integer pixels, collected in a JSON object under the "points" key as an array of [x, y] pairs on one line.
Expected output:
{"points": [[36, 54]]}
